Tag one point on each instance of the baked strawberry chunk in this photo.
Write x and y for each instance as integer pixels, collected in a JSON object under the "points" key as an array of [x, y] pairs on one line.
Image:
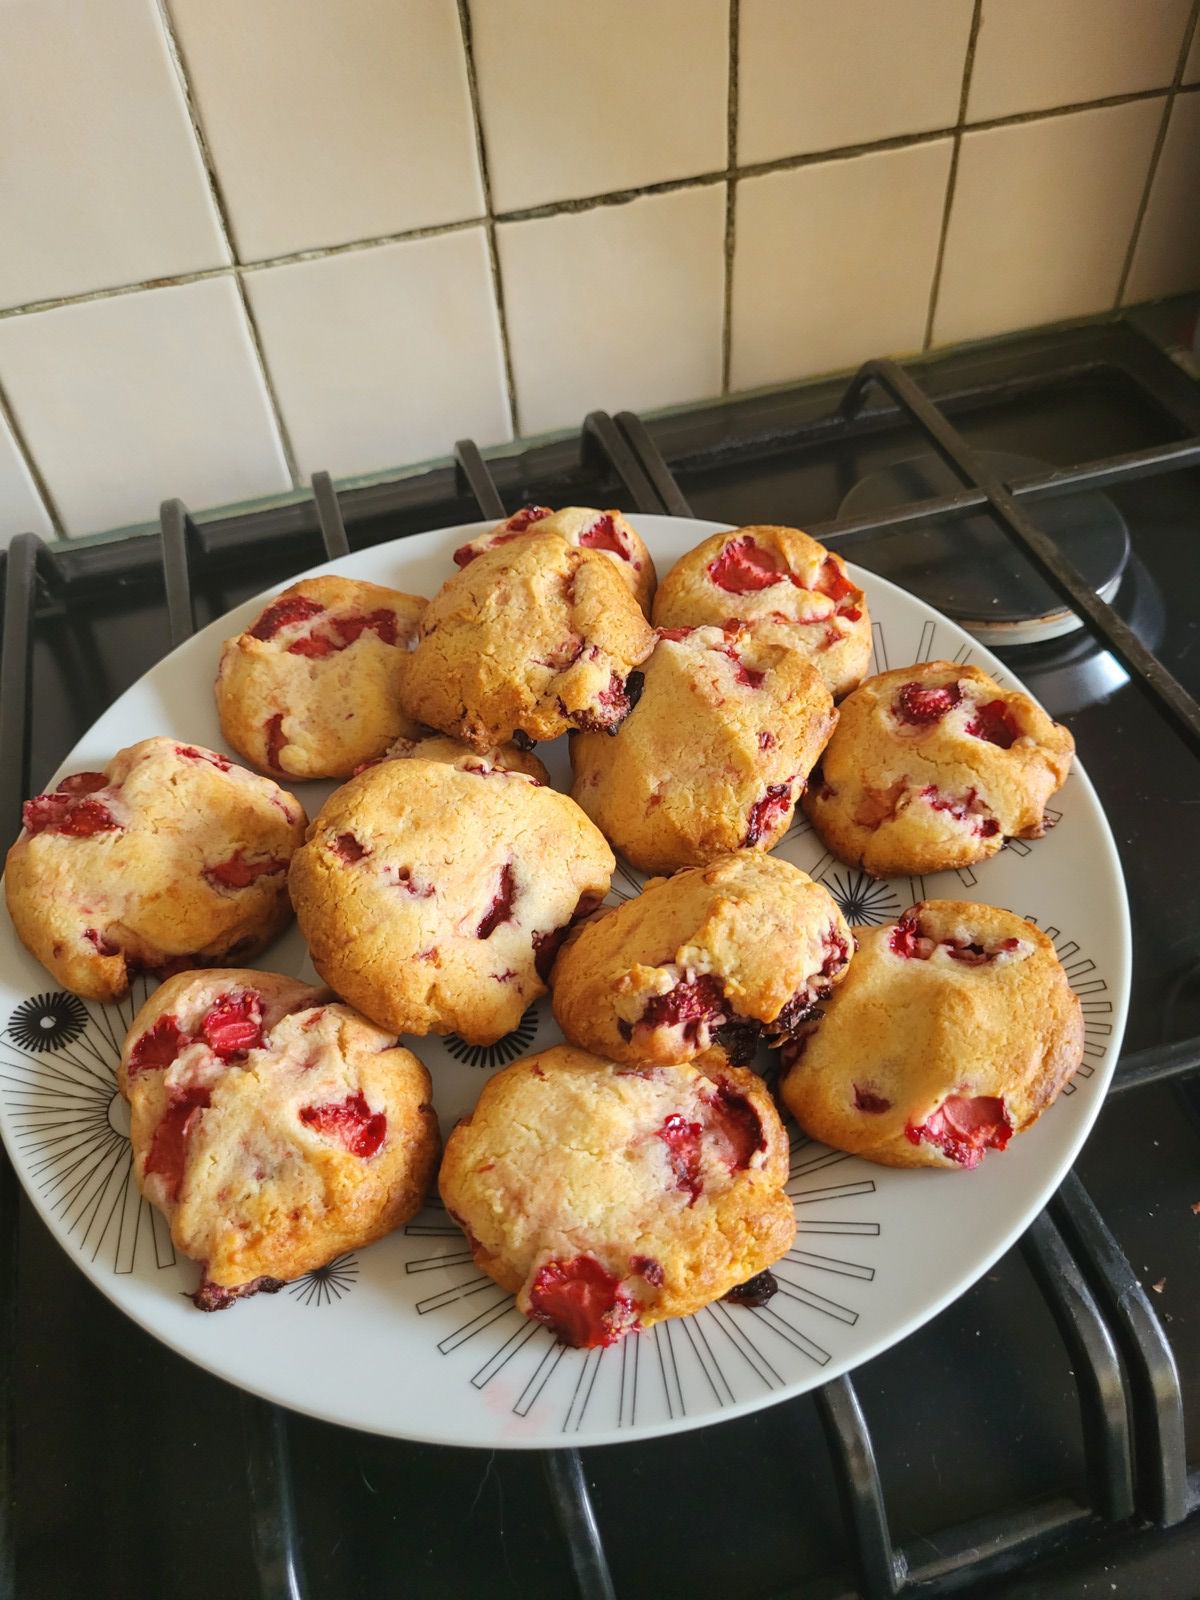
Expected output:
{"points": [[239, 873], [284, 613], [868, 1100], [273, 731], [581, 1303], [381, 623], [604, 535], [733, 1116], [157, 1047], [833, 581], [500, 909], [964, 1128], [744, 674], [213, 1297], [965, 809], [169, 1143], [347, 848], [73, 812], [314, 645], [233, 1025], [682, 1139], [744, 567], [690, 1003], [214, 759], [995, 723], [765, 813], [351, 1122], [90, 782], [907, 940], [921, 707], [755, 1291]]}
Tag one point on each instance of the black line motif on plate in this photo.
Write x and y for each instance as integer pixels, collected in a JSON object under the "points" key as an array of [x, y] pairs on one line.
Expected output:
{"points": [[325, 1285], [504, 1050], [861, 899]]}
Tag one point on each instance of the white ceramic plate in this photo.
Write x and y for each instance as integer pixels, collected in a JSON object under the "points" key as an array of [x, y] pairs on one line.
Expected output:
{"points": [[407, 1337]]}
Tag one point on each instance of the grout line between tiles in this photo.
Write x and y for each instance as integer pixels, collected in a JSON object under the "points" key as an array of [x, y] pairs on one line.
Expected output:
{"points": [[1159, 141], [952, 175], [30, 461], [489, 221], [730, 196], [224, 222]]}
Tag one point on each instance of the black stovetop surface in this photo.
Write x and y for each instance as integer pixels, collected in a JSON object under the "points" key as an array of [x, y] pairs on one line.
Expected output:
{"points": [[130, 1475]]}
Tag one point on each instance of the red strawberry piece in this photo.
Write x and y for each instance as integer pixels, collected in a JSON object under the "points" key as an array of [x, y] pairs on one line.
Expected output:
{"points": [[581, 1303], [604, 535], [350, 1121], [314, 645], [347, 848], [77, 815], [89, 782], [744, 674], [743, 567], [995, 723], [766, 740], [965, 810], [755, 1291], [273, 730], [104, 947], [735, 1118], [213, 1297], [868, 1100], [562, 656], [466, 553], [238, 873], [233, 1024], [832, 581], [526, 517], [906, 939], [964, 1127], [381, 623], [675, 634], [157, 1047], [919, 706], [500, 909], [974, 954], [284, 613], [691, 1003], [168, 1144], [765, 813], [193, 753], [613, 704], [647, 1268], [682, 1139], [837, 953]]}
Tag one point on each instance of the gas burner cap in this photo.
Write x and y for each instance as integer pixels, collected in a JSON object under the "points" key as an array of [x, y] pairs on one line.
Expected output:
{"points": [[968, 568]]}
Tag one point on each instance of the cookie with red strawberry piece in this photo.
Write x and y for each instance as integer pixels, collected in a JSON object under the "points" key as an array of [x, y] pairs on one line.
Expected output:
{"points": [[709, 960], [586, 529], [172, 856], [608, 1197], [312, 687], [777, 575], [954, 1029], [530, 639], [933, 766], [434, 897], [272, 1126], [716, 753]]}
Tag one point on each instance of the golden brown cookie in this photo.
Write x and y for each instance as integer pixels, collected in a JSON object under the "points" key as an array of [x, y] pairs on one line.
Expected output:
{"points": [[713, 957], [532, 638], [934, 766], [312, 688], [273, 1127], [171, 856], [434, 897], [714, 756], [608, 1197], [779, 575], [954, 1029], [586, 529], [440, 747]]}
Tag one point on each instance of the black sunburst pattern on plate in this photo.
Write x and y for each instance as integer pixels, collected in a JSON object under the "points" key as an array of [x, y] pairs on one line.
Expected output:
{"points": [[861, 899], [47, 1021], [323, 1285], [504, 1050]]}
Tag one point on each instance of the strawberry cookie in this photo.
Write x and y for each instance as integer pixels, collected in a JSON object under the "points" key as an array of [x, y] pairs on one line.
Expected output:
{"points": [[609, 1197], [716, 753], [434, 897], [954, 1029], [529, 639], [778, 575], [709, 959], [272, 1127], [312, 688], [439, 747], [584, 528], [171, 857], [933, 767]]}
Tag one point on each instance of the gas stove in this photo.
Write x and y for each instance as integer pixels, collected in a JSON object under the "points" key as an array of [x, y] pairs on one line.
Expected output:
{"points": [[1034, 1438]]}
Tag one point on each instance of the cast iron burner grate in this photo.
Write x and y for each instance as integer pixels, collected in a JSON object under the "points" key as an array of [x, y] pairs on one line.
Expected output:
{"points": [[1129, 1395]]}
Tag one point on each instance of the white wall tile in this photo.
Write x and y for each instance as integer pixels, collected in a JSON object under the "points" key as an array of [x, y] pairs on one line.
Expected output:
{"points": [[331, 123], [830, 73], [1167, 258], [1042, 217], [21, 508], [124, 402], [583, 99], [1033, 54], [101, 181], [619, 306], [834, 262], [383, 357]]}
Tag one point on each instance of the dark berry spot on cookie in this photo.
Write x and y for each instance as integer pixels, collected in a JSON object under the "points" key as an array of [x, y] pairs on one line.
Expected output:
{"points": [[526, 517], [605, 535], [738, 1038], [794, 1014], [233, 1024], [766, 740], [581, 1303], [967, 809], [748, 676], [743, 567], [964, 1128], [971, 954], [76, 814], [239, 873], [381, 623], [350, 1121], [500, 909], [274, 735], [625, 1029], [995, 723], [562, 656], [907, 940], [634, 684], [347, 848], [169, 1141], [766, 813], [103, 946], [547, 945], [674, 634], [646, 1268], [284, 613], [920, 707], [682, 1139], [222, 763], [755, 1291], [157, 1047], [314, 645], [735, 1117], [868, 1100], [90, 782], [832, 581], [522, 740], [212, 1297], [690, 1005]]}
